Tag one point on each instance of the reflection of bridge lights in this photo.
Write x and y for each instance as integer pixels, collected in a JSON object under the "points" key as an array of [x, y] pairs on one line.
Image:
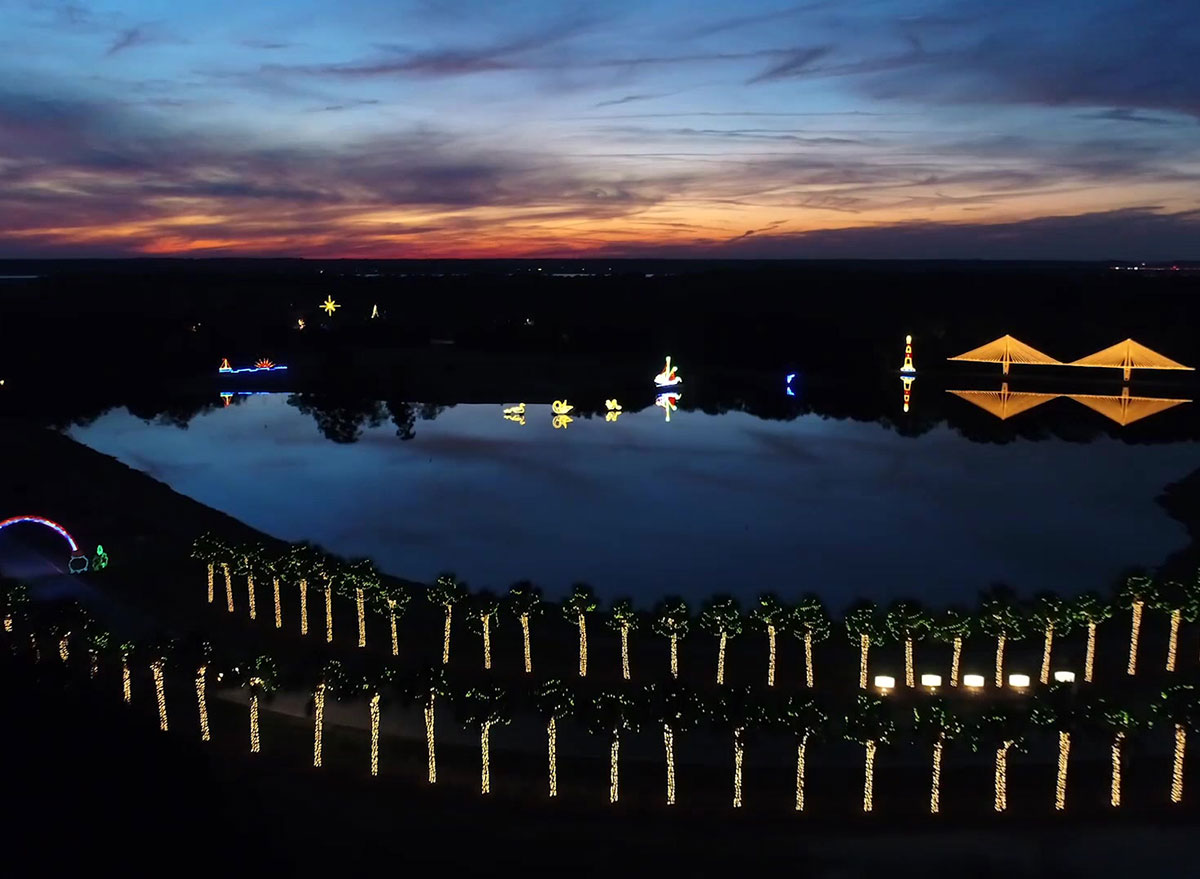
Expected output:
{"points": [[667, 402]]}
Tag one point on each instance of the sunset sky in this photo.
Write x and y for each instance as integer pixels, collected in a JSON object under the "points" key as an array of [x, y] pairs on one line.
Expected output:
{"points": [[449, 128]]}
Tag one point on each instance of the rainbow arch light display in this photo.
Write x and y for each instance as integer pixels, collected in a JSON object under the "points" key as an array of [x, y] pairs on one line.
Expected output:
{"points": [[79, 562]]}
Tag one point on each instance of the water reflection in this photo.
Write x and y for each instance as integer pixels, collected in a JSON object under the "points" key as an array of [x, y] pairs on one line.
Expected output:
{"points": [[1122, 408]]}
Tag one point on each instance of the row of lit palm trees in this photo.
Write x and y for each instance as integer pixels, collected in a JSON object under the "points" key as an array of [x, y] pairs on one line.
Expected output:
{"points": [[1000, 615], [937, 723]]}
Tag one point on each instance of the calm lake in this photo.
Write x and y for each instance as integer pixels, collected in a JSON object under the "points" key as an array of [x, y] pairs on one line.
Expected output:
{"points": [[703, 503]]}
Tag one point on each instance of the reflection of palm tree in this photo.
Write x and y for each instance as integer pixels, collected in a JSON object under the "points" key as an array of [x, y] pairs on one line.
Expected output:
{"points": [[870, 724], [576, 606], [1179, 705], [672, 621], [862, 626], [1052, 615], [953, 626], [446, 592], [1091, 610], [804, 717], [623, 619], [525, 602], [810, 622], [1136, 592], [721, 616], [935, 725], [481, 709], [907, 622], [678, 708], [1000, 617], [769, 614], [553, 700], [1003, 730]]}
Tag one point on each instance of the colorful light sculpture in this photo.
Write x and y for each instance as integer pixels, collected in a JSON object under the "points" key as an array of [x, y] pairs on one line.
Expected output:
{"points": [[614, 410], [515, 413], [669, 377], [788, 384], [560, 422], [908, 356], [261, 365], [907, 381], [561, 407], [668, 403]]}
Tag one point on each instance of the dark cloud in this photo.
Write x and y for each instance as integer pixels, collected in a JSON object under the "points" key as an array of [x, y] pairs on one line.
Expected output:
{"points": [[141, 35], [794, 64], [1124, 114], [628, 99]]}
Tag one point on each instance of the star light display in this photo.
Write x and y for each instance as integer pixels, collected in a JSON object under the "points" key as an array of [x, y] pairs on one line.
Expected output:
{"points": [[330, 306]]}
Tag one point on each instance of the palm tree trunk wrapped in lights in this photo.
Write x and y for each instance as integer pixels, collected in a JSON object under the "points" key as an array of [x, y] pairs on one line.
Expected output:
{"points": [[95, 663], [160, 695], [614, 771], [956, 660], [228, 586], [669, 746], [446, 635], [625, 652], [8, 624], [674, 656], [1047, 646], [808, 659], [211, 573], [1173, 642], [1000, 799], [525, 638], [864, 645], [429, 741], [392, 623], [1060, 786], [202, 703], [1177, 767], [770, 655], [935, 784], [373, 705], [485, 779], [278, 606], [583, 648], [869, 778], [552, 754], [721, 659], [487, 641], [250, 596], [739, 752], [1135, 630], [360, 602], [801, 749], [909, 676], [64, 647], [1089, 661], [318, 723], [255, 740], [328, 613], [1000, 642], [1115, 785], [303, 607], [126, 684]]}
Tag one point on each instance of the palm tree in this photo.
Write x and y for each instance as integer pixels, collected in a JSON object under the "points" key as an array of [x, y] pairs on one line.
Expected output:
{"points": [[197, 653], [127, 650], [99, 644], [14, 601], [804, 717], [376, 681], [364, 579], [482, 608], [953, 626], [870, 724], [769, 614], [623, 619], [1002, 729], [158, 653], [525, 602], [1181, 603], [862, 626], [481, 709], [1121, 724], [1000, 617], [1053, 615], [1057, 708], [304, 562], [553, 700], [225, 555], [269, 566], [446, 592], [810, 621], [936, 725], [672, 621], [261, 678], [678, 708], [429, 683], [1136, 592], [245, 564], [204, 549], [721, 616], [331, 681], [1091, 610], [613, 712], [575, 608], [395, 597], [739, 711], [1179, 705], [907, 621]]}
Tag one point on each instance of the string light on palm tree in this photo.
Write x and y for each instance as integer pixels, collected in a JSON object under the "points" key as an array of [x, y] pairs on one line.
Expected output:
{"points": [[613, 712], [810, 622], [202, 702], [160, 695], [907, 622], [862, 625], [524, 601], [1179, 705], [1182, 603], [576, 607], [869, 723], [446, 592], [768, 615], [552, 700], [1090, 609], [396, 598], [936, 725], [126, 648], [1137, 591], [260, 678], [721, 616], [1001, 729], [482, 709], [429, 683], [623, 619], [804, 717], [1053, 616], [953, 626], [672, 621], [1001, 618], [483, 608]]}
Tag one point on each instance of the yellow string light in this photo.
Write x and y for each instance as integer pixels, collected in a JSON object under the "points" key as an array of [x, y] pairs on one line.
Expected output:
{"points": [[808, 658], [33, 644], [64, 647], [1115, 787], [1089, 661], [303, 607], [1047, 645], [864, 644], [160, 695], [801, 748], [1000, 642], [446, 636], [770, 655], [318, 723], [202, 703], [255, 741], [956, 660], [674, 656], [909, 678], [935, 790], [525, 638], [1173, 642], [721, 660], [485, 780], [1135, 629], [582, 646], [429, 741], [126, 686], [625, 651], [211, 591], [250, 593], [95, 669], [228, 586], [8, 624], [328, 613], [1001, 787], [552, 754], [487, 641], [669, 746], [374, 707], [869, 778], [614, 775], [1177, 769], [392, 622], [1060, 785], [278, 606], [739, 749], [361, 607]]}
